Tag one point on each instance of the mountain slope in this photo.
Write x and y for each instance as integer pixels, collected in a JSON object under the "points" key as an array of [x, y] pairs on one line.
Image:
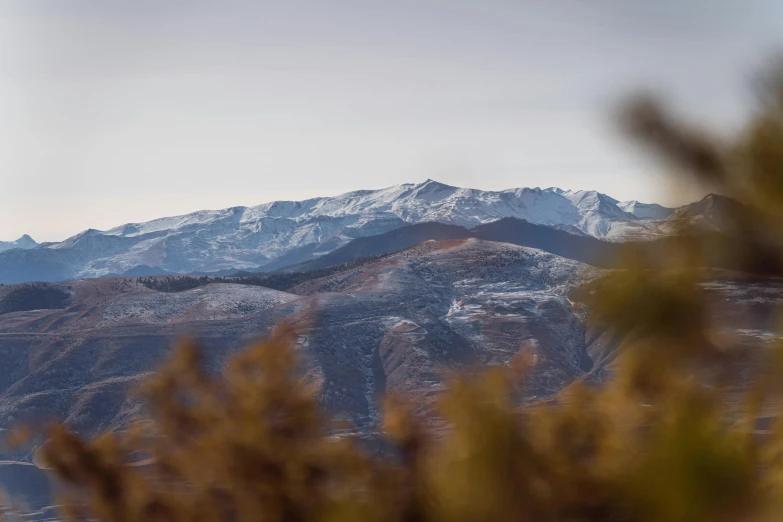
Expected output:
{"points": [[393, 241], [389, 324], [712, 213], [585, 249]]}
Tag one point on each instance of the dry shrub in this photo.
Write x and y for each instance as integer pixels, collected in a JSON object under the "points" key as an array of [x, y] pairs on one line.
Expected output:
{"points": [[252, 444], [658, 442]]}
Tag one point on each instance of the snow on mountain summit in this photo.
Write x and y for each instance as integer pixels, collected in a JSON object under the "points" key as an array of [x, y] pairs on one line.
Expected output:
{"points": [[23, 242], [646, 210]]}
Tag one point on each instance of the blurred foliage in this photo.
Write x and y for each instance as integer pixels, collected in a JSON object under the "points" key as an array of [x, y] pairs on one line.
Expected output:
{"points": [[658, 442]]}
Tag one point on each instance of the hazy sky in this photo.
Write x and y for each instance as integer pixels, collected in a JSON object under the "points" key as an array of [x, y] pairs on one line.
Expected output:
{"points": [[126, 110]]}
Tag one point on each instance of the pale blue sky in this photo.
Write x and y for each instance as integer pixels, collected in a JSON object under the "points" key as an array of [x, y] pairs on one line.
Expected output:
{"points": [[127, 110]]}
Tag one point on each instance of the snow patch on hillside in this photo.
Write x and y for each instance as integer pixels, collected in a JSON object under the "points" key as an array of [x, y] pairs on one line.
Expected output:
{"points": [[217, 301]]}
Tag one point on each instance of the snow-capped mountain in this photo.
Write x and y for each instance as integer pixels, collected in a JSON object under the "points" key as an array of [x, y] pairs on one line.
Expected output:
{"points": [[285, 232], [645, 210], [23, 242]]}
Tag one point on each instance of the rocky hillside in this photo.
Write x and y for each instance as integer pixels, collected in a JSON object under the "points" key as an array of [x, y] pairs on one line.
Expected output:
{"points": [[73, 350]]}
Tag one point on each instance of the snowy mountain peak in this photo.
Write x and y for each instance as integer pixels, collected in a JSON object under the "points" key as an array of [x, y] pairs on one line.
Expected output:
{"points": [[645, 210], [25, 242], [431, 188], [432, 182], [590, 197]]}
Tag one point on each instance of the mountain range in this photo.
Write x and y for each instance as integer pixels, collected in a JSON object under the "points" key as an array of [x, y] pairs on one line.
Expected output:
{"points": [[280, 234]]}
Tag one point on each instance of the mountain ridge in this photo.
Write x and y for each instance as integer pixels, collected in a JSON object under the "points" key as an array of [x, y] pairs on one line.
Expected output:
{"points": [[282, 233]]}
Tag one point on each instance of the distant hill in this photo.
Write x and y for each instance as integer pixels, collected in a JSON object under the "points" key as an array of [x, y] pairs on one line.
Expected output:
{"points": [[585, 249], [392, 241]]}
